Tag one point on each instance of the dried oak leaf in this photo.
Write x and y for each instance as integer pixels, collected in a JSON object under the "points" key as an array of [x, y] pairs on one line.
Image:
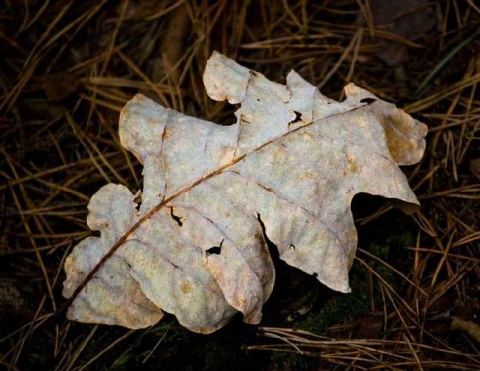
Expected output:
{"points": [[195, 246]]}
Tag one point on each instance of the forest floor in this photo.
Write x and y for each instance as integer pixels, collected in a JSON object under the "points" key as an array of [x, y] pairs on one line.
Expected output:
{"points": [[68, 68]]}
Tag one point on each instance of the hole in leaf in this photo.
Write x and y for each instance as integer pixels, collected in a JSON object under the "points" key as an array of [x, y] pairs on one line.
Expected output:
{"points": [[138, 201], [367, 100], [298, 118], [178, 219], [215, 249]]}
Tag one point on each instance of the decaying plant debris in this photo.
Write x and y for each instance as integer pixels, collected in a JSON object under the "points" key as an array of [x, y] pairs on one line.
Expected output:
{"points": [[213, 196], [66, 71]]}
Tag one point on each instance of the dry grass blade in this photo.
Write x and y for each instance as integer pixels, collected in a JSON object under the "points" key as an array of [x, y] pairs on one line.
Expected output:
{"points": [[364, 353]]}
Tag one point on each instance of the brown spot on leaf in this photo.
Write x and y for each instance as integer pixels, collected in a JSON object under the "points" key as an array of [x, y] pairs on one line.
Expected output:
{"points": [[186, 288], [166, 134], [352, 165]]}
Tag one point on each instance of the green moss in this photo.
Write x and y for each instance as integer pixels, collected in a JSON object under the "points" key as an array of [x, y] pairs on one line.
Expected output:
{"points": [[181, 349], [342, 308]]}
